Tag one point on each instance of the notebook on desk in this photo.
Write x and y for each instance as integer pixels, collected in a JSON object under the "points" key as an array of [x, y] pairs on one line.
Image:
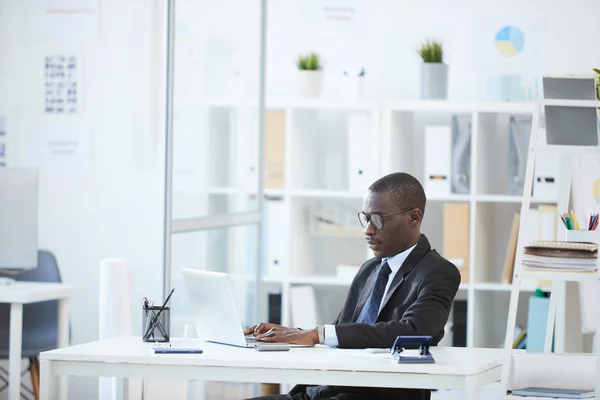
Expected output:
{"points": [[555, 393]]}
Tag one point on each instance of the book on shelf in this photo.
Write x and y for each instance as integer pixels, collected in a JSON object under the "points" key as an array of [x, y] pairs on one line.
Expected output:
{"points": [[511, 251], [558, 255]]}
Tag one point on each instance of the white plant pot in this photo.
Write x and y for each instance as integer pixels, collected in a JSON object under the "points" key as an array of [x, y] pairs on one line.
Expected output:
{"points": [[361, 87], [434, 81], [310, 83]]}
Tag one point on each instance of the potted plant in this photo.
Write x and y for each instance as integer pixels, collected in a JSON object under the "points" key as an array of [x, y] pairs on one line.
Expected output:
{"points": [[434, 73], [310, 74]]}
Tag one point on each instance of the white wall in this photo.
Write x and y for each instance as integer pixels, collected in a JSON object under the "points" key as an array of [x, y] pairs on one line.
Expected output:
{"points": [[561, 37], [115, 209]]}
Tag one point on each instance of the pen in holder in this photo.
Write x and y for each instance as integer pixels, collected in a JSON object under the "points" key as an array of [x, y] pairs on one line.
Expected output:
{"points": [[156, 324]]}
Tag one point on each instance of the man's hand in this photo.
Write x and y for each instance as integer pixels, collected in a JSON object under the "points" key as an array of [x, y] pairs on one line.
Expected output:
{"points": [[262, 328], [290, 335]]}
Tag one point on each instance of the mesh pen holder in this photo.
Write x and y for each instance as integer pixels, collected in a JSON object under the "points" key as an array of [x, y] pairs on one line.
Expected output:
{"points": [[156, 324]]}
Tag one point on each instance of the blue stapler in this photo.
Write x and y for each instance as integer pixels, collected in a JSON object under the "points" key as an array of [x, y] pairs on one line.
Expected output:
{"points": [[417, 356]]}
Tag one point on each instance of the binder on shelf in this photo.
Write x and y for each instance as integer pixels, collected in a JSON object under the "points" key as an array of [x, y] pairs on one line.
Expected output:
{"points": [[456, 235], [275, 243], [459, 323], [245, 174], [438, 160], [274, 169], [537, 316], [461, 154], [274, 312], [361, 163], [303, 304], [545, 184], [519, 131]]}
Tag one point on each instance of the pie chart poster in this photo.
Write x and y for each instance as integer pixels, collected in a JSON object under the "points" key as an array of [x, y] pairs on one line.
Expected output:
{"points": [[506, 46]]}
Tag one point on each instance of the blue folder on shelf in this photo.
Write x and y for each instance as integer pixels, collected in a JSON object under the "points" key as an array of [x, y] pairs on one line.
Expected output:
{"points": [[555, 393], [537, 318]]}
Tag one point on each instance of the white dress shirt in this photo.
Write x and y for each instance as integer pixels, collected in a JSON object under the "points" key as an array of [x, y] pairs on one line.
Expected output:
{"points": [[395, 263]]}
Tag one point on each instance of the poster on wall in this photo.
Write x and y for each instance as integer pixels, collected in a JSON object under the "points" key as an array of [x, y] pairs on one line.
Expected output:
{"points": [[61, 91], [65, 151], [64, 20], [511, 53]]}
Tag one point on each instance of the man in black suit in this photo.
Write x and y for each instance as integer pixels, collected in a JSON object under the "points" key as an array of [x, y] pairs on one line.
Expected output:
{"points": [[406, 289]]}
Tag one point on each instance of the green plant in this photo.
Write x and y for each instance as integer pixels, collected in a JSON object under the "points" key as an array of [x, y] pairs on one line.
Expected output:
{"points": [[431, 51], [597, 71], [311, 62]]}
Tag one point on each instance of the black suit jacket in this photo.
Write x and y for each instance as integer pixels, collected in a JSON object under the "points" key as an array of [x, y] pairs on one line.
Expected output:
{"points": [[418, 302]]}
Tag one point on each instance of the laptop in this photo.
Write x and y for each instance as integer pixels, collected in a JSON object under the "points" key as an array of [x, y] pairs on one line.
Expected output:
{"points": [[212, 303]]}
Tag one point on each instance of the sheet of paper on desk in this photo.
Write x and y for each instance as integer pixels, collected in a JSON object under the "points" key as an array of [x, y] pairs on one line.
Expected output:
{"points": [[343, 353]]}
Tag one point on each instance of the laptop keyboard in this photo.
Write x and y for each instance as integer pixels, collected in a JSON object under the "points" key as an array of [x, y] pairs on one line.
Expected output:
{"points": [[250, 339]]}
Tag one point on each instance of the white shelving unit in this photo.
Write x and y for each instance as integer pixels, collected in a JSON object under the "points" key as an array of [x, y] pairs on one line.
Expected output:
{"points": [[309, 259], [317, 168], [565, 366]]}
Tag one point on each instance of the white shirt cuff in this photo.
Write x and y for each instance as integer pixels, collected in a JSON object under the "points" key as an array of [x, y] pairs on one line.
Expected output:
{"points": [[331, 339]]}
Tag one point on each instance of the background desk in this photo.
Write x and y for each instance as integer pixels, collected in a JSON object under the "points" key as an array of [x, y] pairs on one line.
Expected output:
{"points": [[455, 368], [20, 293]]}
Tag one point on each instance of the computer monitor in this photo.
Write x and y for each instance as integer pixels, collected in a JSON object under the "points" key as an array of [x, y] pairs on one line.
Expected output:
{"points": [[18, 219]]}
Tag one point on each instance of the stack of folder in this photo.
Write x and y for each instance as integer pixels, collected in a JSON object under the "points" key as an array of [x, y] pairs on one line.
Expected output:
{"points": [[568, 256]]}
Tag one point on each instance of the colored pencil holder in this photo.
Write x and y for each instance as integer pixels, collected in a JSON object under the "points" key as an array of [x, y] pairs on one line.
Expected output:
{"points": [[156, 324], [583, 235]]}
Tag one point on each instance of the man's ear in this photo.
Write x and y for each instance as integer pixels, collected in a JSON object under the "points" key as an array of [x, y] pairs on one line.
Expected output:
{"points": [[415, 216]]}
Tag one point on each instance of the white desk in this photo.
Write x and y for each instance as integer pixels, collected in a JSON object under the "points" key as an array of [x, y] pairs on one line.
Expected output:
{"points": [[20, 293], [455, 368]]}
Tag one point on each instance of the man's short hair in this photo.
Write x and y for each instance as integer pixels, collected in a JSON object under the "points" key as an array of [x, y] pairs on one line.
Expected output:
{"points": [[404, 189]]}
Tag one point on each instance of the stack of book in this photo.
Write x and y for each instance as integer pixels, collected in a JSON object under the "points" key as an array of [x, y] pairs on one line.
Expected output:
{"points": [[567, 256]]}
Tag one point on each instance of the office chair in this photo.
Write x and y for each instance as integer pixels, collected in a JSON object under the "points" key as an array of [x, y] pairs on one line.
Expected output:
{"points": [[40, 322]]}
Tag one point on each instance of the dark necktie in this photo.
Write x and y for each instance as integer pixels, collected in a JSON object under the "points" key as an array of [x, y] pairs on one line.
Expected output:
{"points": [[369, 313]]}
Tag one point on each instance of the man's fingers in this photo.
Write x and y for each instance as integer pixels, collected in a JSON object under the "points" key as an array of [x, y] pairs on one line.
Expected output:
{"points": [[249, 330], [268, 333], [271, 337], [257, 328]]}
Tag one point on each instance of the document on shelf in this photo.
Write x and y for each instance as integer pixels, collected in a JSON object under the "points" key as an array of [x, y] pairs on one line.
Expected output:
{"points": [[555, 393]]}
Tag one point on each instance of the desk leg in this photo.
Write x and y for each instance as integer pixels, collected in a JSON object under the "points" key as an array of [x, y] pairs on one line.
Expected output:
{"points": [[63, 340], [14, 351], [45, 380], [472, 390], [123, 388]]}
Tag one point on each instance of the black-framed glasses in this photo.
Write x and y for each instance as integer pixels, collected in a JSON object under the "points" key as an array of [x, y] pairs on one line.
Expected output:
{"points": [[376, 219]]}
